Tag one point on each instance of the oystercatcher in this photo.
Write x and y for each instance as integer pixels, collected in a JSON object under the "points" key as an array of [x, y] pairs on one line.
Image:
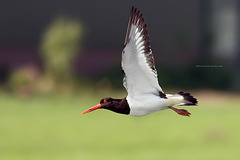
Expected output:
{"points": [[145, 96]]}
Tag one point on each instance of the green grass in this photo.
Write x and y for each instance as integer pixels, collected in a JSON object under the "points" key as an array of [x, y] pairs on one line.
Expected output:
{"points": [[52, 128]]}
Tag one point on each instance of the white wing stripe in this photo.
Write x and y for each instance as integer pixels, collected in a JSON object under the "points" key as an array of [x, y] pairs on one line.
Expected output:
{"points": [[137, 59]]}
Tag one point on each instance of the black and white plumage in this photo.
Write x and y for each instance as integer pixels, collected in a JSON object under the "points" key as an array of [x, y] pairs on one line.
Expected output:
{"points": [[145, 95], [137, 58]]}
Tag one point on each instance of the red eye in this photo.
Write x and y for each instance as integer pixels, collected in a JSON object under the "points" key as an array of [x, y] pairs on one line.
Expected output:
{"points": [[104, 101]]}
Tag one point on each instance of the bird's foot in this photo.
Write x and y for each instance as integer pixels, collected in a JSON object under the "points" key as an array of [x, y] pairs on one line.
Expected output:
{"points": [[182, 112]]}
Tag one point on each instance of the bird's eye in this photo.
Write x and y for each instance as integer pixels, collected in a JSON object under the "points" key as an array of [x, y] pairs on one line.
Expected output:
{"points": [[104, 101]]}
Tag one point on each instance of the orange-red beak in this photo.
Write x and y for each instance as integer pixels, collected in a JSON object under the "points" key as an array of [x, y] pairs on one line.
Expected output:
{"points": [[92, 109]]}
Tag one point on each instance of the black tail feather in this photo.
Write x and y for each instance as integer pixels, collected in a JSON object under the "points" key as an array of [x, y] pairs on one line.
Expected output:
{"points": [[191, 101]]}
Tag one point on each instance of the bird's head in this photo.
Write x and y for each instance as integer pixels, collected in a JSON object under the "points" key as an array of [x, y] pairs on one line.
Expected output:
{"points": [[105, 103], [115, 105]]}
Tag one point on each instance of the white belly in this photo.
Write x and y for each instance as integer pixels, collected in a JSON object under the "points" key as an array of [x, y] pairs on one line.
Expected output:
{"points": [[146, 104]]}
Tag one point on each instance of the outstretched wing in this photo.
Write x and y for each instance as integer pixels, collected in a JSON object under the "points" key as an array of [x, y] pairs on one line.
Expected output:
{"points": [[137, 59]]}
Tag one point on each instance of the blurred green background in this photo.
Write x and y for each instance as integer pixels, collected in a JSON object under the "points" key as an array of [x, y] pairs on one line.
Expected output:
{"points": [[52, 127], [58, 59]]}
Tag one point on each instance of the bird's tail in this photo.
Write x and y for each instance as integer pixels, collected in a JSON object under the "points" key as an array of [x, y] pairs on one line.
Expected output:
{"points": [[182, 99]]}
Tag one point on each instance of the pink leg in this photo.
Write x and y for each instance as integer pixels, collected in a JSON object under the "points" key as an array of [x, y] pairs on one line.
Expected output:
{"points": [[182, 112]]}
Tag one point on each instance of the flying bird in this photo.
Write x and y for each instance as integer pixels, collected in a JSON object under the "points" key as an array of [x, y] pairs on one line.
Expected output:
{"points": [[145, 95]]}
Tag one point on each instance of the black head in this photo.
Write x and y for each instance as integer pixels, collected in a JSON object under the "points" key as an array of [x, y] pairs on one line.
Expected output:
{"points": [[116, 105], [107, 102]]}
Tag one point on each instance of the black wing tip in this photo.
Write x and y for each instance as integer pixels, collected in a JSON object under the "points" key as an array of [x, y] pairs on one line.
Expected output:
{"points": [[136, 18], [188, 97]]}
